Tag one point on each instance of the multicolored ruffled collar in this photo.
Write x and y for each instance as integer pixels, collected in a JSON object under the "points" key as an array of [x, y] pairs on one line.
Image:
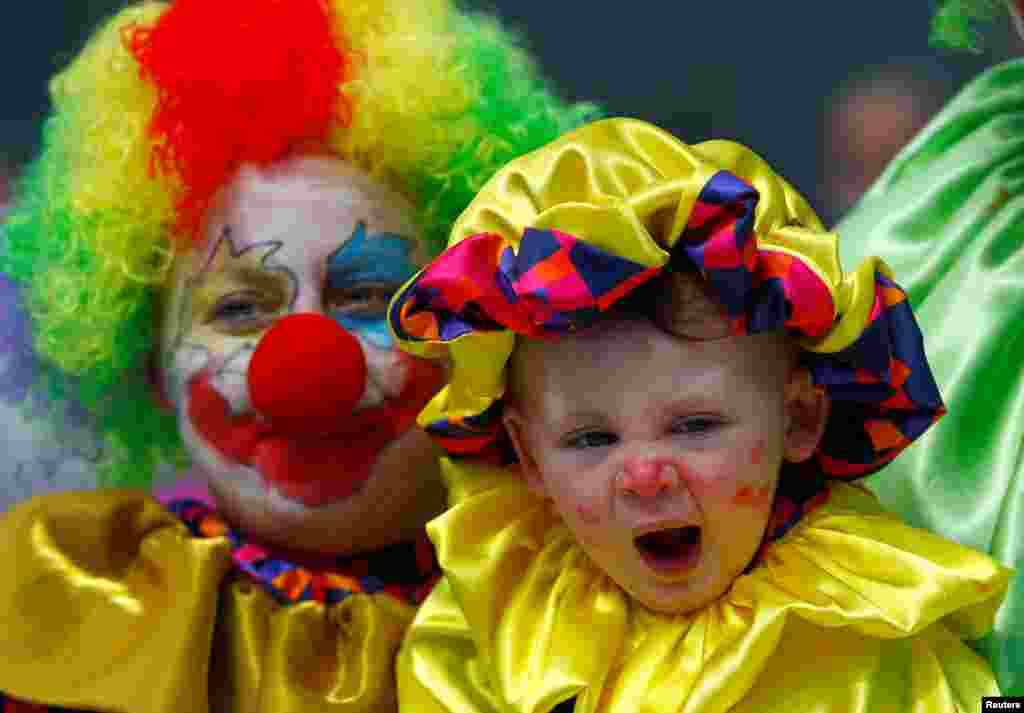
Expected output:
{"points": [[406, 571]]}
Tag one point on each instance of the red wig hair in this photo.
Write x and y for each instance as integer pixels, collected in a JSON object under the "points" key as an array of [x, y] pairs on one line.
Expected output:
{"points": [[238, 81]]}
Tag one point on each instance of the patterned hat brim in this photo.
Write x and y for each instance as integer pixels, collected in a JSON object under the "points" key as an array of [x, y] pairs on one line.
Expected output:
{"points": [[861, 341]]}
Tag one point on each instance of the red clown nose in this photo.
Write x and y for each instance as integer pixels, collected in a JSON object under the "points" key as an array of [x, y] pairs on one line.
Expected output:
{"points": [[307, 375]]}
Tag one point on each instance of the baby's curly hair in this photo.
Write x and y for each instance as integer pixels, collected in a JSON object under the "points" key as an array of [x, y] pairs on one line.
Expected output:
{"points": [[679, 302], [428, 98]]}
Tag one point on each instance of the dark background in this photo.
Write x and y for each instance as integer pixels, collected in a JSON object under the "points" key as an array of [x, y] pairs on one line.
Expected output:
{"points": [[765, 74]]}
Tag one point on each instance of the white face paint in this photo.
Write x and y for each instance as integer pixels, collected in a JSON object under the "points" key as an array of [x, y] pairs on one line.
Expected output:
{"points": [[309, 236]]}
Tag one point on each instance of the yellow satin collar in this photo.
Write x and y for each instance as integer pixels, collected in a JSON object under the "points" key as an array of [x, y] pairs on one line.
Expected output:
{"points": [[850, 610], [108, 603]]}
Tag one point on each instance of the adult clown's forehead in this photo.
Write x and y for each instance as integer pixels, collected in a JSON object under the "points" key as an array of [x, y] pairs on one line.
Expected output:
{"points": [[296, 226]]}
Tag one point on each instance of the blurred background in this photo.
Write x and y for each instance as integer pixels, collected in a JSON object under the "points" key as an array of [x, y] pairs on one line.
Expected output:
{"points": [[825, 91]]}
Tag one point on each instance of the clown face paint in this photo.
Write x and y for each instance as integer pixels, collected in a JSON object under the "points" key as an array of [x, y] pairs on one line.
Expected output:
{"points": [[383, 260], [308, 237], [646, 445]]}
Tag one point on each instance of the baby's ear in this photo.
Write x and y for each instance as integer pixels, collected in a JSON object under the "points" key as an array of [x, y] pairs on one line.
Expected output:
{"points": [[515, 425], [807, 410]]}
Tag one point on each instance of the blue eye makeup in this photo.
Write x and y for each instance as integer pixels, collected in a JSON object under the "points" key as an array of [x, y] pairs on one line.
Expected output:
{"points": [[373, 329], [375, 258], [362, 275]]}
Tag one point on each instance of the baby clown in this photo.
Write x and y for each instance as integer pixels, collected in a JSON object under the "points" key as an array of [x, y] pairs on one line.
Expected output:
{"points": [[296, 441], [661, 383], [661, 452]]}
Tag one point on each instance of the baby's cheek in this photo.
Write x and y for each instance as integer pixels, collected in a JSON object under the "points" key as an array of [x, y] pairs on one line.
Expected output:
{"points": [[737, 478], [758, 497], [588, 518], [588, 514], [757, 452], [758, 491], [713, 479]]}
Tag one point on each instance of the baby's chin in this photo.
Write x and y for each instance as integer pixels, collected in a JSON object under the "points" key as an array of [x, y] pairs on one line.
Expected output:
{"points": [[698, 595]]}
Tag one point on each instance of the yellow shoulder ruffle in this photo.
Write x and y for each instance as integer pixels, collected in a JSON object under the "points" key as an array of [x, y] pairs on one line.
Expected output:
{"points": [[852, 611], [108, 603]]}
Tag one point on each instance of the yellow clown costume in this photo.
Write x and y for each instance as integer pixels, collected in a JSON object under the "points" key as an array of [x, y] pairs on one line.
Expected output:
{"points": [[247, 597], [845, 607]]}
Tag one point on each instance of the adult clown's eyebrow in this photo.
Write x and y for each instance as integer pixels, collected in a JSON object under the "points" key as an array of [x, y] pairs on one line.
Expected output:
{"points": [[377, 257]]}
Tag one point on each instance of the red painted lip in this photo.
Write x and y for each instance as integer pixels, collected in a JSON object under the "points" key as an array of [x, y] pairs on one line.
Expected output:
{"points": [[319, 469]]}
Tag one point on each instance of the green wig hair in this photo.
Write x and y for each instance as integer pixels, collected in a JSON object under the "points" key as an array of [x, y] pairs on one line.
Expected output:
{"points": [[436, 99]]}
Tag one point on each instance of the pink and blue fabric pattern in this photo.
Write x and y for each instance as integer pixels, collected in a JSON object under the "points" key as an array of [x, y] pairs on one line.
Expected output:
{"points": [[882, 391], [406, 571]]}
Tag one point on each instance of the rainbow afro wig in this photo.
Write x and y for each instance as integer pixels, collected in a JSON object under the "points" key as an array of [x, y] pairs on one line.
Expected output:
{"points": [[160, 109]]}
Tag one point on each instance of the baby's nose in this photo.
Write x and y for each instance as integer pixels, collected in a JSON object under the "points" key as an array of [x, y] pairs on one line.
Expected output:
{"points": [[647, 477]]}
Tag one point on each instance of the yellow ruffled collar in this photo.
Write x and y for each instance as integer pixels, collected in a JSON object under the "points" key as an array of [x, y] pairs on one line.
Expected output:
{"points": [[110, 603], [551, 626]]}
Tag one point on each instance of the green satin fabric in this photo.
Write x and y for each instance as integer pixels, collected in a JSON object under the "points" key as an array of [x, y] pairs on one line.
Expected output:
{"points": [[948, 216], [107, 603]]}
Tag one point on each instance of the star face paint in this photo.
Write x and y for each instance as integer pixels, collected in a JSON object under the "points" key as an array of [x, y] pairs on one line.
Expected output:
{"points": [[311, 235]]}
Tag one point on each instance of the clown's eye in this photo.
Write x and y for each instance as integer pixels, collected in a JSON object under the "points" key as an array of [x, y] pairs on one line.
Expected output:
{"points": [[241, 312], [236, 309], [362, 300], [590, 439]]}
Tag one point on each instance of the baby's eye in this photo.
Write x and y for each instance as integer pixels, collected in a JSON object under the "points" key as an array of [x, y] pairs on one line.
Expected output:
{"points": [[590, 439], [696, 425]]}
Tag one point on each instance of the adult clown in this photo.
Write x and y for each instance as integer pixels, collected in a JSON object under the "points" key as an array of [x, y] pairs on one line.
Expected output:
{"points": [[228, 194], [948, 215]]}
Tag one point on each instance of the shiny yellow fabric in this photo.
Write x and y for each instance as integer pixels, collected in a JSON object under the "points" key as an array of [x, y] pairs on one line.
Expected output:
{"points": [[628, 187], [851, 611], [108, 603]]}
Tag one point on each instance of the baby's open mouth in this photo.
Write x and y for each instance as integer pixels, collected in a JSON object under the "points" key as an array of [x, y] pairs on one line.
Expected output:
{"points": [[670, 551]]}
